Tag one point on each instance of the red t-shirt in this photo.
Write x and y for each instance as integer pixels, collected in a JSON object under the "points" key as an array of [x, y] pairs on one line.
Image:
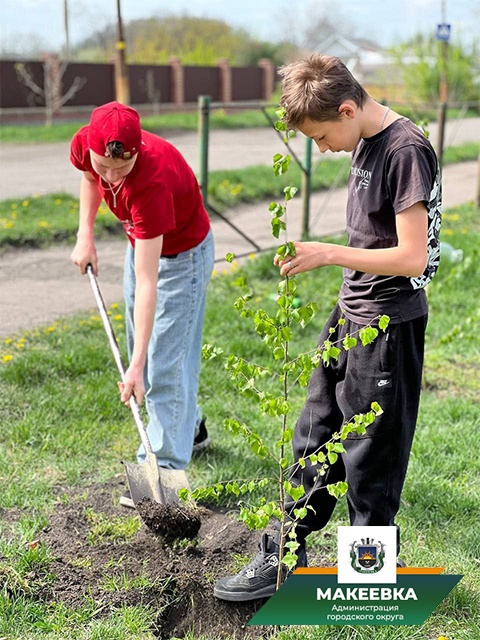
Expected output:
{"points": [[160, 196]]}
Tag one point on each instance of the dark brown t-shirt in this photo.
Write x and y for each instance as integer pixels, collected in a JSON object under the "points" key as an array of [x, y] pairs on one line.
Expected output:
{"points": [[390, 172]]}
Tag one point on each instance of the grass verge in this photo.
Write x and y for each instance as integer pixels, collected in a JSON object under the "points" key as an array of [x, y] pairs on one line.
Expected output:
{"points": [[184, 121]]}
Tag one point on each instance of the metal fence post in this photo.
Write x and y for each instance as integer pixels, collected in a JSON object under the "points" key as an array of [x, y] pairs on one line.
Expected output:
{"points": [[203, 133], [306, 189]]}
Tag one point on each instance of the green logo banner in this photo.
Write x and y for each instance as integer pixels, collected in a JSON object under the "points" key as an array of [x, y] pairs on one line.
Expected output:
{"points": [[316, 598]]}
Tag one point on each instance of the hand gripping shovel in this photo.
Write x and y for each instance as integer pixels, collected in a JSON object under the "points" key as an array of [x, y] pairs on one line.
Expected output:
{"points": [[145, 480]]}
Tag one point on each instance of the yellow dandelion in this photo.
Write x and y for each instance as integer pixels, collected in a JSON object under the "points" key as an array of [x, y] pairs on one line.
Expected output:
{"points": [[20, 345], [442, 638], [58, 201], [7, 358], [13, 215], [50, 329], [214, 273], [251, 256], [95, 318], [14, 205], [21, 341], [447, 232], [44, 224], [8, 341], [114, 305], [118, 317], [8, 224], [454, 217], [25, 203]]}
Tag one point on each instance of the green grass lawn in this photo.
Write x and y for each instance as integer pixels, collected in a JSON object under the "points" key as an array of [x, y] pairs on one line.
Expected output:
{"points": [[183, 121], [61, 415], [186, 121]]}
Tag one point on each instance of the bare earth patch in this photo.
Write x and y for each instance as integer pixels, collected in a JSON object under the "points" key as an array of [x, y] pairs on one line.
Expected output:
{"points": [[175, 580]]}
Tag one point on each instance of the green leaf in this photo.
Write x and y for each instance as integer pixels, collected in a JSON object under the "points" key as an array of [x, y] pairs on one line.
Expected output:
{"points": [[290, 560], [338, 489], [349, 342], [295, 492], [300, 513], [209, 352], [290, 192], [184, 494], [332, 457], [383, 322], [277, 226], [367, 335], [376, 408]]}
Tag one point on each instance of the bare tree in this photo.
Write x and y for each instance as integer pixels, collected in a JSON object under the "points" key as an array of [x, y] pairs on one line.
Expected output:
{"points": [[51, 92]]}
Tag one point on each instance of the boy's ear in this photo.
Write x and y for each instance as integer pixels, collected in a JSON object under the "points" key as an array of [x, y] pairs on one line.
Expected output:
{"points": [[347, 109]]}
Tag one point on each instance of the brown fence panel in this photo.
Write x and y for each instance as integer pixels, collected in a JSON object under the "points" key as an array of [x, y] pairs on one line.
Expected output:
{"points": [[150, 84], [247, 83], [200, 81], [99, 87], [13, 92]]}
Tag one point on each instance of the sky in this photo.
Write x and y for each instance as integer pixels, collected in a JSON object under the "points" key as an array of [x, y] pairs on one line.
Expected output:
{"points": [[26, 22]]}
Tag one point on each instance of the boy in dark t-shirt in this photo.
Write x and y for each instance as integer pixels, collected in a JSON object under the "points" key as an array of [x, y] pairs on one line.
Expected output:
{"points": [[393, 223]]}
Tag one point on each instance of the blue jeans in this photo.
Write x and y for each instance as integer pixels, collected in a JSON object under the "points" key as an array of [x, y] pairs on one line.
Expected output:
{"points": [[174, 351]]}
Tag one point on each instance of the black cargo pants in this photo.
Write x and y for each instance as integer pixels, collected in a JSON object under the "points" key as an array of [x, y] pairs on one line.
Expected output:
{"points": [[387, 371]]}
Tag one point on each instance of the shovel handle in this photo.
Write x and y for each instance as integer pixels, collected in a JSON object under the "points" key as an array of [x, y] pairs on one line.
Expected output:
{"points": [[118, 358]]}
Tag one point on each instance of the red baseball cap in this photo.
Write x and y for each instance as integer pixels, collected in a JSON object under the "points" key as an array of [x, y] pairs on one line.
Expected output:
{"points": [[115, 122]]}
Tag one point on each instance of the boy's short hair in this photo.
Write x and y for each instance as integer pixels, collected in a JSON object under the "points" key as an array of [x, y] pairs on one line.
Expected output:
{"points": [[315, 87]]}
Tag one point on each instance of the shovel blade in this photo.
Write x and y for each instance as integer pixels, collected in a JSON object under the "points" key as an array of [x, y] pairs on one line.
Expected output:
{"points": [[147, 480]]}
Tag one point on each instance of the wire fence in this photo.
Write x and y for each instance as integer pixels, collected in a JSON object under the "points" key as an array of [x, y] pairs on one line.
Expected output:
{"points": [[431, 117]]}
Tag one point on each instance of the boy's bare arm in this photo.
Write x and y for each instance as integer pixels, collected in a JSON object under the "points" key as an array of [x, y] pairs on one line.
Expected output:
{"points": [[408, 258], [147, 256], [84, 252]]}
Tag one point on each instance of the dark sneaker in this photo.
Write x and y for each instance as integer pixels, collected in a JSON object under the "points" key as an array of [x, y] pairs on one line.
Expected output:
{"points": [[202, 439], [259, 578], [126, 500]]}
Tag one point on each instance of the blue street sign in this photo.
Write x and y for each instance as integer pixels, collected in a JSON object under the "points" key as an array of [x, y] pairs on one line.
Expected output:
{"points": [[443, 32]]}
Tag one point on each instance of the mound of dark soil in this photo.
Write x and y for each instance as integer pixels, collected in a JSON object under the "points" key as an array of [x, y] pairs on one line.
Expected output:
{"points": [[171, 522], [175, 580]]}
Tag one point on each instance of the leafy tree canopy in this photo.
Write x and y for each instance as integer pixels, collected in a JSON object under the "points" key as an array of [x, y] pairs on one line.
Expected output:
{"points": [[193, 40], [420, 61]]}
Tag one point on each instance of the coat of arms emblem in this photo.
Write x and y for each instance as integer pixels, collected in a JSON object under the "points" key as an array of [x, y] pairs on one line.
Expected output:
{"points": [[367, 556]]}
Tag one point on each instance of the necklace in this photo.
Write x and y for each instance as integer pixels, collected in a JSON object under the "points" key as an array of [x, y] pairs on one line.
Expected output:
{"points": [[384, 118], [115, 193]]}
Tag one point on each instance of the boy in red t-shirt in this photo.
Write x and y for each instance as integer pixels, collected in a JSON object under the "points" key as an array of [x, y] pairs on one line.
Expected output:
{"points": [[149, 186]]}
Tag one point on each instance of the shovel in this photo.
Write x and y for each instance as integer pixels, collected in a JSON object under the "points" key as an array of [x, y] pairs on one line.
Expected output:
{"points": [[145, 480]]}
